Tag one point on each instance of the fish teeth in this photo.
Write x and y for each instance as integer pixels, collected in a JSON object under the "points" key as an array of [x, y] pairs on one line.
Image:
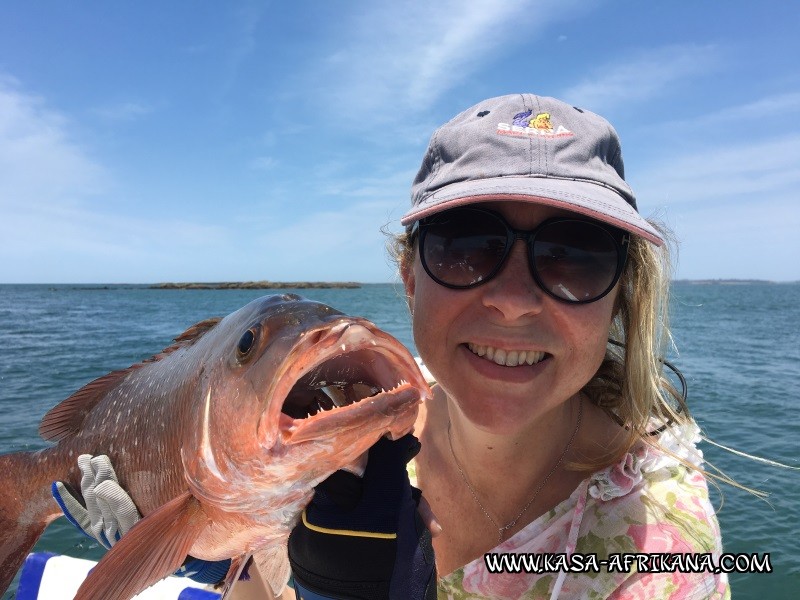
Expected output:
{"points": [[507, 358], [336, 395]]}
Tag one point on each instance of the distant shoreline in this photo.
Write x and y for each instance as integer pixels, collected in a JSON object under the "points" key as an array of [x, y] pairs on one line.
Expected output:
{"points": [[729, 281], [257, 285], [271, 285]]}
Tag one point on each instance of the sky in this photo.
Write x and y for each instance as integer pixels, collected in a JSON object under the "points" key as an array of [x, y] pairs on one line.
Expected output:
{"points": [[145, 142]]}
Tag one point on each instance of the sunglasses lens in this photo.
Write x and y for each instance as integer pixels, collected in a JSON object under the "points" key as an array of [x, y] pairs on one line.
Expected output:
{"points": [[572, 260], [575, 260], [462, 248]]}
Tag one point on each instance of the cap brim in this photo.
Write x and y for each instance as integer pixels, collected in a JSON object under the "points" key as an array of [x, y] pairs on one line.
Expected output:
{"points": [[590, 199]]}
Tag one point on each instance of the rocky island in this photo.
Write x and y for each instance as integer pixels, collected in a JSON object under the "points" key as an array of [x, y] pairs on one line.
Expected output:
{"points": [[257, 285]]}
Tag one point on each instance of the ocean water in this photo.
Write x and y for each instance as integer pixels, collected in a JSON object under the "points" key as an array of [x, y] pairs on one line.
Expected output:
{"points": [[738, 345]]}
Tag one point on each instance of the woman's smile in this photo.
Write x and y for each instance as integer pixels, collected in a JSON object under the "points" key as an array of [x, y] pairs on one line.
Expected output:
{"points": [[507, 358], [502, 365]]}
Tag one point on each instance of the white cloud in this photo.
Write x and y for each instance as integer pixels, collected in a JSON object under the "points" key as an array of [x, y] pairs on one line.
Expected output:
{"points": [[642, 77], [64, 218], [247, 16], [327, 245], [76, 244], [758, 239], [340, 238], [727, 172], [747, 119], [56, 221], [733, 204], [400, 57], [40, 161], [765, 109]]}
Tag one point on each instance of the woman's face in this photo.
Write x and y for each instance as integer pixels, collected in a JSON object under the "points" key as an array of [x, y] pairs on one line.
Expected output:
{"points": [[509, 314]]}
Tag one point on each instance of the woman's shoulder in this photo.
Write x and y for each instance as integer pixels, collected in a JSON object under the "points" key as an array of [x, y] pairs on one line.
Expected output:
{"points": [[655, 498], [666, 458]]}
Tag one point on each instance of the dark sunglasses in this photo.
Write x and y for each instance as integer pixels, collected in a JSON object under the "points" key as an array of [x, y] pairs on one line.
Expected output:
{"points": [[573, 260]]}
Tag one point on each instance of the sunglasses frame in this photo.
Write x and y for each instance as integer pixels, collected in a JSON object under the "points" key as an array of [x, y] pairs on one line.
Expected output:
{"points": [[620, 237]]}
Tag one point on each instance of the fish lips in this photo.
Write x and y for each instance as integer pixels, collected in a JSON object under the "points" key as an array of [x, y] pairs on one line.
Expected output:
{"points": [[395, 411], [346, 376]]}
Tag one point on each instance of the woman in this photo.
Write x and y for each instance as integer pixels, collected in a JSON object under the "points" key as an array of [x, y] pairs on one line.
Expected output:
{"points": [[524, 260], [525, 255]]}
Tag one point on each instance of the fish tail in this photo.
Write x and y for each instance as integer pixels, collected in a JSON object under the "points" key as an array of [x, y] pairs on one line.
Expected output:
{"points": [[26, 508]]}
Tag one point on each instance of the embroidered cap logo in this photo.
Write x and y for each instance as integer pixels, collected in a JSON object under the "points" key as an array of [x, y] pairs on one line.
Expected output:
{"points": [[525, 124]]}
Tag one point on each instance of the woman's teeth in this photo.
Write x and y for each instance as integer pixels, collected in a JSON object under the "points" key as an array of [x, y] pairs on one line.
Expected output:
{"points": [[507, 358]]}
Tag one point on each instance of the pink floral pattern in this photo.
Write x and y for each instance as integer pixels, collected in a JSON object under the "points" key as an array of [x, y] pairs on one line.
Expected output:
{"points": [[648, 502]]}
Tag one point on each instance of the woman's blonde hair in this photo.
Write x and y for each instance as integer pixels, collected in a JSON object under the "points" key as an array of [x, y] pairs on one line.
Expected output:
{"points": [[630, 384]]}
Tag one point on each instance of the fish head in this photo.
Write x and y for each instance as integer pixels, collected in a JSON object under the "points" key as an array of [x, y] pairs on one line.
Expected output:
{"points": [[297, 391]]}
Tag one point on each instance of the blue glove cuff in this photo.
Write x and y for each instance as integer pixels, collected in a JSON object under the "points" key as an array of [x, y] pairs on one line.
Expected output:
{"points": [[60, 501], [204, 571], [303, 593]]}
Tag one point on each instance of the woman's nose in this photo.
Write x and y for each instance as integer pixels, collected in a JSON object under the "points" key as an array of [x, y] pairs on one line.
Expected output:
{"points": [[513, 291]]}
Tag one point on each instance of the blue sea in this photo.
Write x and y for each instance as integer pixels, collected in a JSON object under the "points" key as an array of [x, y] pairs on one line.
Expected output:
{"points": [[737, 344]]}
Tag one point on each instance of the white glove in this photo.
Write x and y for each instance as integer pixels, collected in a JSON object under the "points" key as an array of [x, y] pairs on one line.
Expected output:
{"points": [[109, 511]]}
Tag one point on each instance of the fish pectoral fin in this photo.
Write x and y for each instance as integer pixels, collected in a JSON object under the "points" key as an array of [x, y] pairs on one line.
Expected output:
{"points": [[273, 564], [153, 549]]}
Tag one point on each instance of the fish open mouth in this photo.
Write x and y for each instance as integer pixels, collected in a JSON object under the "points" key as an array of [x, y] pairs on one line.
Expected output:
{"points": [[349, 376], [341, 381]]}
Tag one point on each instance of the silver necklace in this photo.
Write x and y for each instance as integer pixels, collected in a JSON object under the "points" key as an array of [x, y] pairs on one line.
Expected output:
{"points": [[501, 530]]}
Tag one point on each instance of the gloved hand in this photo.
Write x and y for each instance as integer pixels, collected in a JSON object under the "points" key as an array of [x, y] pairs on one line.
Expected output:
{"points": [[109, 512], [363, 538]]}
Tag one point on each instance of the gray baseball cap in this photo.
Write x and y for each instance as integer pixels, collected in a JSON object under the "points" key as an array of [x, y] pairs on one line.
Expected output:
{"points": [[530, 148]]}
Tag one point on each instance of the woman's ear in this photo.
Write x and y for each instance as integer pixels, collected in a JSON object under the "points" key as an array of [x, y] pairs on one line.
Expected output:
{"points": [[409, 282]]}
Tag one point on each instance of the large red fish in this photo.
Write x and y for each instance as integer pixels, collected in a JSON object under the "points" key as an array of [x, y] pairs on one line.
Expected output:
{"points": [[220, 438]]}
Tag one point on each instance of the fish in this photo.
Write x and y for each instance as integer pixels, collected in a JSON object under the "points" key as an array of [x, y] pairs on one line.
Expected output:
{"points": [[219, 439]]}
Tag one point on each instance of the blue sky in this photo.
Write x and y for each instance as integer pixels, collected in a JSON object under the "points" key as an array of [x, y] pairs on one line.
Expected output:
{"points": [[216, 141]]}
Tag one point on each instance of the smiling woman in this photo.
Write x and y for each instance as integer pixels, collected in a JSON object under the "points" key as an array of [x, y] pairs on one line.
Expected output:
{"points": [[524, 258]]}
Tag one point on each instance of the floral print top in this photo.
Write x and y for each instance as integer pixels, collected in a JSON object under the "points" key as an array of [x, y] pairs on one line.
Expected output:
{"points": [[647, 503]]}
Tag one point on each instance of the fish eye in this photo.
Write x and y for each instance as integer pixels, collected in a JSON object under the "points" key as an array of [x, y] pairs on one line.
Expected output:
{"points": [[246, 343]]}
